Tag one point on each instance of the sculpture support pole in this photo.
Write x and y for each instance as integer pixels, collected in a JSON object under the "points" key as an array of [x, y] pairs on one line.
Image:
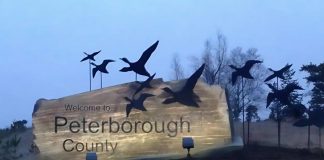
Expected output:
{"points": [[243, 112], [308, 140], [278, 116], [101, 80], [320, 137], [90, 73]]}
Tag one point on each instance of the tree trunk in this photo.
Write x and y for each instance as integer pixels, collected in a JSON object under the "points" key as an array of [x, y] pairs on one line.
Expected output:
{"points": [[279, 131], [308, 142], [309, 125], [90, 73], [248, 134], [278, 117], [320, 137], [243, 111]]}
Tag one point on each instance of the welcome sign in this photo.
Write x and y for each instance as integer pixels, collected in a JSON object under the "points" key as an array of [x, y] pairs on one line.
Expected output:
{"points": [[70, 127]]}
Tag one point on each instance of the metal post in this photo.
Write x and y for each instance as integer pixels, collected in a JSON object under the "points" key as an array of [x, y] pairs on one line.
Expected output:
{"points": [[278, 116], [90, 73], [101, 80], [243, 111]]}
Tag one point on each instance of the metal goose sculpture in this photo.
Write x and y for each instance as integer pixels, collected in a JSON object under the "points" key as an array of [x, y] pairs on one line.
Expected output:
{"points": [[186, 95], [282, 95], [139, 66], [137, 103], [279, 73], [244, 71], [102, 68], [90, 56]]}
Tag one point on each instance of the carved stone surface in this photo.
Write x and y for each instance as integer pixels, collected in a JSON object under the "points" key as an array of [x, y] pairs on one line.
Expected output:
{"points": [[209, 123]]}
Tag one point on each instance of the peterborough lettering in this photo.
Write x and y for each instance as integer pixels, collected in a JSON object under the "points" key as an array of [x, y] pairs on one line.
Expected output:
{"points": [[111, 126]]}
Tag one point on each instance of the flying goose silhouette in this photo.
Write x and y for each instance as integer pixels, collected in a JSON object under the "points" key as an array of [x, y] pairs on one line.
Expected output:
{"points": [[136, 103], [145, 84], [186, 95], [90, 56], [278, 73], [283, 94], [244, 71], [139, 66], [102, 67]]}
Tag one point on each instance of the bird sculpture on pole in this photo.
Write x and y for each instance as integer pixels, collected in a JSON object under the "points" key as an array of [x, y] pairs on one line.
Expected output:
{"points": [[102, 68], [244, 72], [278, 74], [186, 95], [90, 57], [139, 66]]}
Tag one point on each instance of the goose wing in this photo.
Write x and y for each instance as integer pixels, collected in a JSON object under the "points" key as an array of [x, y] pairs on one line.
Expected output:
{"points": [[270, 77], [286, 68], [85, 58], [147, 53], [141, 100], [249, 64], [94, 71], [105, 62], [95, 53], [143, 97], [104, 65], [192, 80]]}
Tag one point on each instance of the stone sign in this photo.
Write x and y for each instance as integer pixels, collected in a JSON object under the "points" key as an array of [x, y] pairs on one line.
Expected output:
{"points": [[117, 125]]}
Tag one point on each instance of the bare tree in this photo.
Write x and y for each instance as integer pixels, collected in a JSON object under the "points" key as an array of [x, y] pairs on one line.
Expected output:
{"points": [[177, 68], [209, 74], [214, 58], [254, 92], [221, 51], [218, 72]]}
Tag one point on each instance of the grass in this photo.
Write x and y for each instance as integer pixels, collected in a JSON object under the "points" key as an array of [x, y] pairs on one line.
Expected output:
{"points": [[256, 152], [265, 133]]}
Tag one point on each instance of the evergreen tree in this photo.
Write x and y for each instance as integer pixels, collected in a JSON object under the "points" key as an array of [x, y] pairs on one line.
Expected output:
{"points": [[315, 77], [295, 110], [279, 111]]}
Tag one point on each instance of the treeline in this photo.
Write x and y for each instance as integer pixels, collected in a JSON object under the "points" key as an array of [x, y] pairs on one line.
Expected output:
{"points": [[218, 57]]}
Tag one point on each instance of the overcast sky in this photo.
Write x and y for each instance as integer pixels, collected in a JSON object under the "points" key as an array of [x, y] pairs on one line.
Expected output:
{"points": [[41, 42]]}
